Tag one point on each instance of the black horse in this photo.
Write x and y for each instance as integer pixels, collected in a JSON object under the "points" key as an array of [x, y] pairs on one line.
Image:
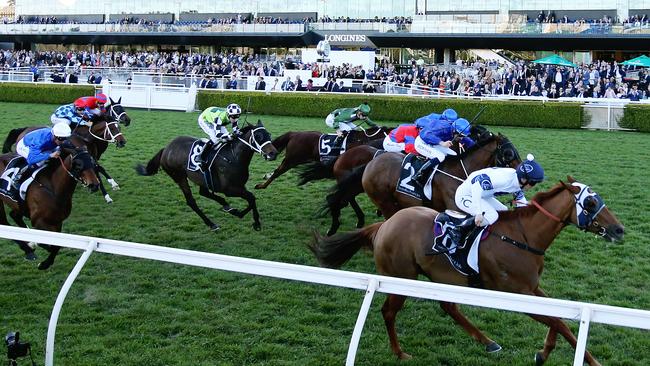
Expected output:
{"points": [[228, 172]]}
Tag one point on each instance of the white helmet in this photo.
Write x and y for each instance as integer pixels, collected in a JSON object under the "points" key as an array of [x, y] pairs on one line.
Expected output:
{"points": [[61, 130], [233, 110]]}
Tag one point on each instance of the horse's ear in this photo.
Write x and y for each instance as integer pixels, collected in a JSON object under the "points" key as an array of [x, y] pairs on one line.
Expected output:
{"points": [[570, 179], [570, 187], [259, 123], [119, 101], [111, 99]]}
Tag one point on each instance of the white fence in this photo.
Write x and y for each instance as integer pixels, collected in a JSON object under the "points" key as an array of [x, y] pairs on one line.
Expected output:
{"points": [[583, 312]]}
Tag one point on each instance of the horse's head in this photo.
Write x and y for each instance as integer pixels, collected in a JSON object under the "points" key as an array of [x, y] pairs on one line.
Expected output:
{"points": [[80, 164], [591, 214], [259, 140], [506, 154], [108, 131], [117, 112]]}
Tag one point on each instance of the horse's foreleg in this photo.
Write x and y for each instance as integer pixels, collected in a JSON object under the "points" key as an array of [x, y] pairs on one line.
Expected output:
{"points": [[52, 249], [556, 325], [222, 201], [335, 212], [100, 170], [252, 206], [189, 199], [361, 217], [389, 310], [29, 251], [102, 189], [454, 311], [281, 169]]}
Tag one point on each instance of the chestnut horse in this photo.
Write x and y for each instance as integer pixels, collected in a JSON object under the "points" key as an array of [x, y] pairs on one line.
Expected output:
{"points": [[399, 244], [379, 178], [229, 171], [303, 146], [48, 201]]}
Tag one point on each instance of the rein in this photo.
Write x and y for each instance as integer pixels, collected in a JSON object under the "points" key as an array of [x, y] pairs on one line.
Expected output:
{"points": [[114, 114], [257, 148], [107, 131], [70, 173]]}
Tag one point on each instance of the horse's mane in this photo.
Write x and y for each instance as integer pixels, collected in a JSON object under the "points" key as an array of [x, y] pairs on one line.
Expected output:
{"points": [[529, 210], [247, 128], [483, 139]]}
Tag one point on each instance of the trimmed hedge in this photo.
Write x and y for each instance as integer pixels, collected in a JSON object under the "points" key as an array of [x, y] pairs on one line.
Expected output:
{"points": [[401, 109], [636, 117], [43, 93]]}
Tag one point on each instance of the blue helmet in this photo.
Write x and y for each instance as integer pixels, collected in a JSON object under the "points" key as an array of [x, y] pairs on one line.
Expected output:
{"points": [[530, 170], [461, 126], [450, 114], [422, 122]]}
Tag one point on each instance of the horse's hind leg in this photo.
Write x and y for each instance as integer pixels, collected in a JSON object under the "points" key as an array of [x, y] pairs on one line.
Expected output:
{"points": [[29, 252], [454, 311], [361, 217], [555, 326], [52, 249], [189, 199], [389, 310]]}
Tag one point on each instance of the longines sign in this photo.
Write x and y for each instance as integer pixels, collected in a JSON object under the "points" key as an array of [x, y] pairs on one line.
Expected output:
{"points": [[348, 39]]}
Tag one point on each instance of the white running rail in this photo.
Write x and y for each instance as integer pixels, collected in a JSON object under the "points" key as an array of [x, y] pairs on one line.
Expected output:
{"points": [[585, 313]]}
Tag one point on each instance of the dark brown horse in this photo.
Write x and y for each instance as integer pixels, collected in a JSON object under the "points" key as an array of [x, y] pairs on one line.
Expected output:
{"points": [[229, 170], [105, 130], [48, 201], [379, 178], [399, 244], [303, 147]]}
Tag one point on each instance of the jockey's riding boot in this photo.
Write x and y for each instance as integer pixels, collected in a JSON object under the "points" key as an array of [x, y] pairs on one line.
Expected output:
{"points": [[339, 140], [423, 174], [460, 231], [205, 154], [25, 171]]}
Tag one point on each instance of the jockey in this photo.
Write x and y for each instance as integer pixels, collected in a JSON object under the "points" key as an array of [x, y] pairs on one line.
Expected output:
{"points": [[102, 99], [91, 105], [72, 114], [435, 140], [212, 121], [447, 115], [38, 146], [476, 195], [343, 119], [402, 138]]}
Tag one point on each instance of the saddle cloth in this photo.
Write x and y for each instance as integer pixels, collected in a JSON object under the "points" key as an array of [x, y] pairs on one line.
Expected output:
{"points": [[406, 185], [194, 156], [7, 178], [326, 147], [464, 256]]}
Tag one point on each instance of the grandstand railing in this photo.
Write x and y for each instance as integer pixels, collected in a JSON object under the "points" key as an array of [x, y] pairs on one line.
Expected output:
{"points": [[360, 26], [585, 313], [17, 76], [20, 28]]}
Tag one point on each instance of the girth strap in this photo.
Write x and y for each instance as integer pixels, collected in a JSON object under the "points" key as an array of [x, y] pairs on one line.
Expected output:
{"points": [[520, 245]]}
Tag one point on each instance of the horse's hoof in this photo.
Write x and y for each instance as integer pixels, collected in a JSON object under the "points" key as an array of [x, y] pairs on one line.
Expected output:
{"points": [[360, 224], [257, 226], [32, 244], [404, 356], [30, 256], [114, 185], [330, 232], [108, 198], [493, 347], [259, 186], [215, 227], [539, 359], [43, 266], [379, 214], [267, 175]]}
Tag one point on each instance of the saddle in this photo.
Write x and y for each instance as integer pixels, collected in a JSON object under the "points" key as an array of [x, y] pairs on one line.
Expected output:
{"points": [[7, 178], [460, 250], [328, 149]]}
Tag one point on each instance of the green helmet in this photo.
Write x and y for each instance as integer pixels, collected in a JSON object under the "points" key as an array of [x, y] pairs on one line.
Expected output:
{"points": [[364, 109]]}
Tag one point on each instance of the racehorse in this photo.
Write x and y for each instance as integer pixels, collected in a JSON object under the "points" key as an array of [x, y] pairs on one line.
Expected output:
{"points": [[379, 178], [229, 170], [303, 146], [399, 245], [48, 201], [105, 130]]}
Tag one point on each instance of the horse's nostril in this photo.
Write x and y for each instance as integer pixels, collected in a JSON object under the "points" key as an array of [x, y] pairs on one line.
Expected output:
{"points": [[619, 231]]}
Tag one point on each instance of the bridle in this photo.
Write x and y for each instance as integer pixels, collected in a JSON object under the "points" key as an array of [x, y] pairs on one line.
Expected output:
{"points": [[252, 143], [584, 217], [108, 135], [505, 153], [72, 172], [114, 114]]}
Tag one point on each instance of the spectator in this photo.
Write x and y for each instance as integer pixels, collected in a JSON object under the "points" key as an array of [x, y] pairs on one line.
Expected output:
{"points": [[288, 85], [232, 83], [634, 94], [310, 85], [261, 84], [369, 87], [610, 93], [91, 78], [298, 84]]}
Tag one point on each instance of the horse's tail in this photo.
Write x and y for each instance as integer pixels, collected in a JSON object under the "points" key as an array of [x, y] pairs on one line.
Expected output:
{"points": [[333, 251], [152, 166], [315, 171], [281, 142], [11, 138], [344, 190]]}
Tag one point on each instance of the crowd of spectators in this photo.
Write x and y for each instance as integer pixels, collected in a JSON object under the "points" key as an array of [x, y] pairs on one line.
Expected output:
{"points": [[599, 79]]}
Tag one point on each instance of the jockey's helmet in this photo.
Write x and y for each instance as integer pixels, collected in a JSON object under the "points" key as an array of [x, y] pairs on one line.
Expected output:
{"points": [[233, 110], [79, 104], [101, 98], [461, 126], [61, 130], [364, 109], [530, 170], [450, 114]]}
